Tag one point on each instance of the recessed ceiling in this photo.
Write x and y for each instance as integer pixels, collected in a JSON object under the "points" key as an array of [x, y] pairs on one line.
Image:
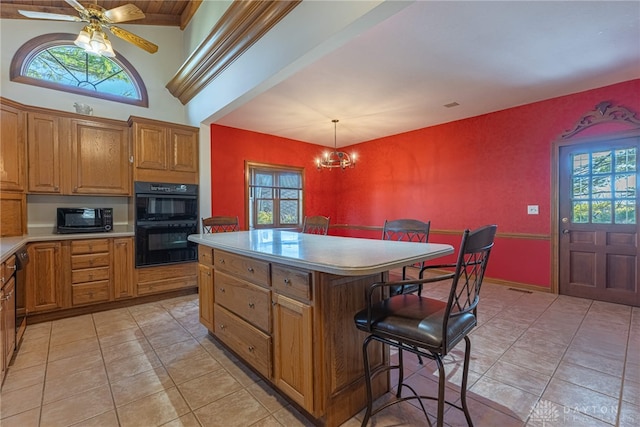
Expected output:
{"points": [[486, 56]]}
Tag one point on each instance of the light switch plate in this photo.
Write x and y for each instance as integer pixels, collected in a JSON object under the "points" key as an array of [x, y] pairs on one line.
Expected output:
{"points": [[532, 209]]}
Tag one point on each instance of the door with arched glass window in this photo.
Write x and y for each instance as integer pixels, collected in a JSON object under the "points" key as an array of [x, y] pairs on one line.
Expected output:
{"points": [[599, 218]]}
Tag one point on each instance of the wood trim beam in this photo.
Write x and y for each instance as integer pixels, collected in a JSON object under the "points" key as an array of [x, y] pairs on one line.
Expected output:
{"points": [[243, 24]]}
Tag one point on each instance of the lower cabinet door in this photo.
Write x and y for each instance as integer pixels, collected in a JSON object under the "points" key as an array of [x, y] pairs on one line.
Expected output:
{"points": [[293, 349], [205, 295]]}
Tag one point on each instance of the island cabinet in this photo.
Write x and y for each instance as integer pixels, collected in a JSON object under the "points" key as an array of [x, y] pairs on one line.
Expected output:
{"points": [[205, 285], [294, 327], [284, 303], [164, 152], [242, 308]]}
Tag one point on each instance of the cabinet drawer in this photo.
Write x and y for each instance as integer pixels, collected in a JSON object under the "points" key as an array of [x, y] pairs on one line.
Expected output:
{"points": [[90, 275], [88, 293], [292, 282], [248, 342], [251, 302], [205, 255], [89, 246], [89, 260], [250, 269]]}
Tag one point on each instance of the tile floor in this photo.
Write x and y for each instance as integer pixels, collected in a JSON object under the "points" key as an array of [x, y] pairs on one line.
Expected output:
{"points": [[537, 360]]}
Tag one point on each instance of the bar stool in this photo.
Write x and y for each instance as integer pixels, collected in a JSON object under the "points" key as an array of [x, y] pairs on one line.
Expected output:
{"points": [[428, 327]]}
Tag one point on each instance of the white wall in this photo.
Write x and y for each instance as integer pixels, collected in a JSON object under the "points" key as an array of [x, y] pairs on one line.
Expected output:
{"points": [[155, 69]]}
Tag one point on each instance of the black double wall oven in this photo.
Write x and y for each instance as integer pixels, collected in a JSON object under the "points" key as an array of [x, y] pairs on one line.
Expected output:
{"points": [[166, 214]]}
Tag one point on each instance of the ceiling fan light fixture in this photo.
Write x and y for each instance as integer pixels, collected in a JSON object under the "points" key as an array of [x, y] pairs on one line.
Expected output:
{"points": [[84, 38]]}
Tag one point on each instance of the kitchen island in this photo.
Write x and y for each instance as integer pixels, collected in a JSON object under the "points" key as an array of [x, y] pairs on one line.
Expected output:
{"points": [[284, 303]]}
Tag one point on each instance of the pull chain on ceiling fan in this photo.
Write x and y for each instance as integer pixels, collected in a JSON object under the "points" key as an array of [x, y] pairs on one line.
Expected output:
{"points": [[92, 37]]}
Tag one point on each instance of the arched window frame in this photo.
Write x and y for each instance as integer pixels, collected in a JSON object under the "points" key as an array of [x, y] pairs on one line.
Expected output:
{"points": [[35, 46]]}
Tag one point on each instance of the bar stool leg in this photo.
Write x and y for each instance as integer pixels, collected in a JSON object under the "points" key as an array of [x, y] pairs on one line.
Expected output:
{"points": [[465, 374], [367, 377]]}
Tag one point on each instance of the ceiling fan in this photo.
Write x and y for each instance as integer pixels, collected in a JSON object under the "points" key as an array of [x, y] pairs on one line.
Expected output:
{"points": [[92, 37]]}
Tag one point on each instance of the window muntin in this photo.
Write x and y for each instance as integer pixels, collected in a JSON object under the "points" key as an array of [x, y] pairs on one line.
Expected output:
{"points": [[604, 186], [275, 196], [54, 62]]}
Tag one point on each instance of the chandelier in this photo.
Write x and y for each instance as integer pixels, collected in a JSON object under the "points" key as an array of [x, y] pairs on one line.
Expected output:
{"points": [[335, 159], [93, 40]]}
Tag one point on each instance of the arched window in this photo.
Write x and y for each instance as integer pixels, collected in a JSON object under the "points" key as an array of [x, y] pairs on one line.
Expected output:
{"points": [[54, 62]]}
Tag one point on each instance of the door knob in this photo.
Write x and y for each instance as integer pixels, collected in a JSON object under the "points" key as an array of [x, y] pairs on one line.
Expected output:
{"points": [[565, 220]]}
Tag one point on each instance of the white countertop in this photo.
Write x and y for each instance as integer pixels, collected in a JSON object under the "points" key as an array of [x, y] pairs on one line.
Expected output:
{"points": [[9, 245], [345, 256]]}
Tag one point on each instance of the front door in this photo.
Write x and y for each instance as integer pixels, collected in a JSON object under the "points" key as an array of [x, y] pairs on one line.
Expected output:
{"points": [[599, 220]]}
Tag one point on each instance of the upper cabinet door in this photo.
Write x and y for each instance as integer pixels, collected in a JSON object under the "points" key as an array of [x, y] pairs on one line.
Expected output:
{"points": [[44, 156], [184, 150], [164, 152], [99, 158], [12, 149], [151, 146]]}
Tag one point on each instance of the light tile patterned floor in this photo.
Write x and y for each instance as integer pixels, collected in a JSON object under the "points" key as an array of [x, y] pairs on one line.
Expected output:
{"points": [[537, 360]]}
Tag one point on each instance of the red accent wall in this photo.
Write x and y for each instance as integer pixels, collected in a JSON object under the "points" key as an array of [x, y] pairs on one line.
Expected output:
{"points": [[463, 174], [231, 147]]}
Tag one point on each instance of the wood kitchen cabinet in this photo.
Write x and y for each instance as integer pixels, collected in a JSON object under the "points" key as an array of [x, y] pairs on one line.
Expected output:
{"points": [[12, 149], [122, 265], [164, 152], [205, 286], [44, 277], [13, 214], [293, 349], [43, 152], [72, 156], [292, 333], [7, 313], [90, 271], [99, 158]]}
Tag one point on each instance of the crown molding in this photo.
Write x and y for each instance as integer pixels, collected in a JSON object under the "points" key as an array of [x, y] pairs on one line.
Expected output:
{"points": [[243, 24]]}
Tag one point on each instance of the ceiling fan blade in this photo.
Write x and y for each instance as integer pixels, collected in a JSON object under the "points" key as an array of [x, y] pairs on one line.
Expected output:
{"points": [[51, 16], [127, 12], [134, 39], [76, 5]]}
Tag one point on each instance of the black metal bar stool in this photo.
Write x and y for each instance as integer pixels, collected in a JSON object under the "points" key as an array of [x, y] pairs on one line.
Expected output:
{"points": [[428, 327]]}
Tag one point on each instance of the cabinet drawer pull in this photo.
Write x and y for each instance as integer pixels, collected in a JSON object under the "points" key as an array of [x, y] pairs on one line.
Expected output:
{"points": [[2, 279], [252, 305], [250, 269], [13, 267], [221, 260], [209, 273], [222, 327], [287, 282], [251, 348], [222, 290]]}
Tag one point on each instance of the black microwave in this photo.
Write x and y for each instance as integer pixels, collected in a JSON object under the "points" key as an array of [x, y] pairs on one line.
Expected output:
{"points": [[84, 220]]}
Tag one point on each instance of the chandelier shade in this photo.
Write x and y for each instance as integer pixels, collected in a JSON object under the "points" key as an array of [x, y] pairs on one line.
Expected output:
{"points": [[93, 40], [335, 159]]}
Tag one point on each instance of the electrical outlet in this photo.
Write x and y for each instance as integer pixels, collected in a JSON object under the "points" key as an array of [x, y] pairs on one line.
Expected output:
{"points": [[532, 209]]}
